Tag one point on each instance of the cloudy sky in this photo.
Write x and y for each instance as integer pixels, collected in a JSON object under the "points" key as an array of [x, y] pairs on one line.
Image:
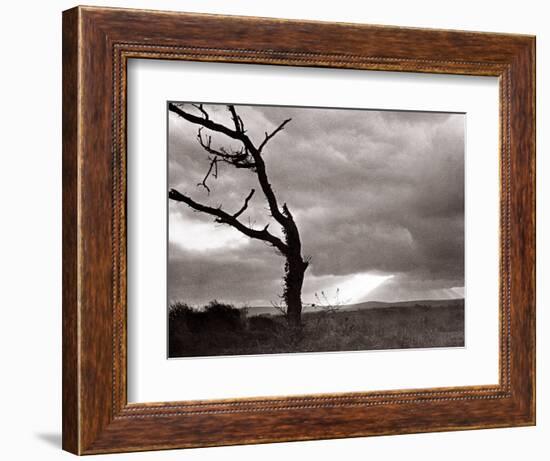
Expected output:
{"points": [[378, 197]]}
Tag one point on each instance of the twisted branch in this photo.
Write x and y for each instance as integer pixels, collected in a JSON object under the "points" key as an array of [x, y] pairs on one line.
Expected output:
{"points": [[225, 218], [245, 205], [239, 134], [273, 133]]}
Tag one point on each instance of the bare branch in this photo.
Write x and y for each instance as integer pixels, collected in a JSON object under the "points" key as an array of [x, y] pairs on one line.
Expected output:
{"points": [[280, 307], [214, 167], [201, 108], [240, 135], [239, 159], [273, 133], [236, 119], [245, 205], [206, 144], [207, 123], [225, 218]]}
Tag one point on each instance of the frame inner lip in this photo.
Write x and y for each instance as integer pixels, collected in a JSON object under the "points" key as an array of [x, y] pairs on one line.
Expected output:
{"points": [[127, 50]]}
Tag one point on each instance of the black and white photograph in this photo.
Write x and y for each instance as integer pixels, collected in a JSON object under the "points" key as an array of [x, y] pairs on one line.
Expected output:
{"points": [[302, 229], [249, 230]]}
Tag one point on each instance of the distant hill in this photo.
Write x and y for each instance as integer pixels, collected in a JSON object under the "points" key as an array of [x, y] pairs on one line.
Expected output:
{"points": [[422, 302], [262, 310]]}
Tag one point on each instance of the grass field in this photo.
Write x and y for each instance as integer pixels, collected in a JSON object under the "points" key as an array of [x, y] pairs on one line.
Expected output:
{"points": [[221, 329]]}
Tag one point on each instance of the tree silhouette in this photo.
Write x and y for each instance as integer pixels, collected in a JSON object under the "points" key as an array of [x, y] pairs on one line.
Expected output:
{"points": [[250, 157]]}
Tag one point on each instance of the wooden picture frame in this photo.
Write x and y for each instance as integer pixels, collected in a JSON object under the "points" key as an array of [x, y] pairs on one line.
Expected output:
{"points": [[97, 43]]}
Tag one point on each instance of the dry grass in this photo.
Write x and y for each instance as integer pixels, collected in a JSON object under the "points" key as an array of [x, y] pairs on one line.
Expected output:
{"points": [[220, 329]]}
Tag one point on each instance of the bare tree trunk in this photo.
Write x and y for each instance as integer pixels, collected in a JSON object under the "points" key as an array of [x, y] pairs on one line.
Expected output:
{"points": [[295, 269]]}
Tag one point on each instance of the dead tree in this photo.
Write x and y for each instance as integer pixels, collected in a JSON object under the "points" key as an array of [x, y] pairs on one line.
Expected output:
{"points": [[249, 156]]}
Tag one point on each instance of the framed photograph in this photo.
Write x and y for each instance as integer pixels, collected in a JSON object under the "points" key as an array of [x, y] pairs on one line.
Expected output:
{"points": [[279, 230]]}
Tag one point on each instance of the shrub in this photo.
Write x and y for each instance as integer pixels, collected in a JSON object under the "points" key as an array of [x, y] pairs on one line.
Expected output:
{"points": [[179, 311]]}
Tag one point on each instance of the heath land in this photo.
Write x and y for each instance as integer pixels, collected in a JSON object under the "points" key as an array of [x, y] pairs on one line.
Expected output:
{"points": [[221, 329]]}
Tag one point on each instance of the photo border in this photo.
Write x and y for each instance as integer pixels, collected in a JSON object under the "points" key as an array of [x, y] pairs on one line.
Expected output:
{"points": [[97, 43]]}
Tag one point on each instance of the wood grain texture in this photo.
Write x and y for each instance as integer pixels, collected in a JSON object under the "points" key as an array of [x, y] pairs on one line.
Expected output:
{"points": [[70, 384], [97, 43]]}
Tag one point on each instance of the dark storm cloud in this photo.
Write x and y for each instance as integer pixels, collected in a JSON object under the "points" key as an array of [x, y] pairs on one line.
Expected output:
{"points": [[371, 191]]}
